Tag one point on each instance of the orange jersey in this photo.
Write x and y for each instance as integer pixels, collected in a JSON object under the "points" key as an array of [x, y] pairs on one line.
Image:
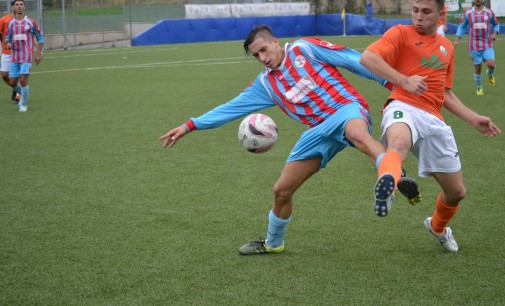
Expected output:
{"points": [[441, 20], [4, 21], [411, 53]]}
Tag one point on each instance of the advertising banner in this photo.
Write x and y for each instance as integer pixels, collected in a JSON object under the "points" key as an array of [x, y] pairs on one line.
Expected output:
{"points": [[207, 10], [247, 9]]}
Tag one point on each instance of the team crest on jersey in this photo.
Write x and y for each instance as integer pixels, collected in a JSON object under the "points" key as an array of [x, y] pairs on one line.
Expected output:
{"points": [[300, 61], [442, 49], [27, 27], [327, 44]]}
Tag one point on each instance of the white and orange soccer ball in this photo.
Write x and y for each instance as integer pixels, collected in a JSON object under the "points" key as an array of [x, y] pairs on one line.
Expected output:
{"points": [[257, 133]]}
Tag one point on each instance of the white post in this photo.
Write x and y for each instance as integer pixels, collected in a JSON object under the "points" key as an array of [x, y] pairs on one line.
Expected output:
{"points": [[64, 21]]}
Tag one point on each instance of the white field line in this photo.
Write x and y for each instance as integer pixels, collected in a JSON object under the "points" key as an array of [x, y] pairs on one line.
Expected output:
{"points": [[100, 52], [200, 62]]}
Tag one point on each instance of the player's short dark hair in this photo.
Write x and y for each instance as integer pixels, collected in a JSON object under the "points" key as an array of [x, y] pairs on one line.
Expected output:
{"points": [[14, 1], [440, 4], [258, 29]]}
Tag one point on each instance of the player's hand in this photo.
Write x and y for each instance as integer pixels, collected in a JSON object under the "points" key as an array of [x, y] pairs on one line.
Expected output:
{"points": [[170, 138], [486, 126], [415, 84], [492, 36], [38, 58], [9, 46]]}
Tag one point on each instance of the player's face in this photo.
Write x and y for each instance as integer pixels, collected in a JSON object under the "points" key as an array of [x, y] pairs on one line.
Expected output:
{"points": [[267, 51], [478, 3], [425, 15], [18, 7]]}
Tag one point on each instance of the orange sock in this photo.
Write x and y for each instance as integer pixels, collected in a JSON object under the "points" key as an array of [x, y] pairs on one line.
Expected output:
{"points": [[443, 214], [391, 163]]}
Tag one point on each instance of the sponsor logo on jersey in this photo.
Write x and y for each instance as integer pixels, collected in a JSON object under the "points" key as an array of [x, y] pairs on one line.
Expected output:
{"points": [[432, 62]]}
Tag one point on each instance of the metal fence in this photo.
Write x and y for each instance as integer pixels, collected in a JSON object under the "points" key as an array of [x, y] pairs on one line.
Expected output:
{"points": [[74, 22]]}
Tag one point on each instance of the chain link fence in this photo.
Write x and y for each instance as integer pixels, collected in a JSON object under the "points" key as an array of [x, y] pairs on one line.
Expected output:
{"points": [[72, 23]]}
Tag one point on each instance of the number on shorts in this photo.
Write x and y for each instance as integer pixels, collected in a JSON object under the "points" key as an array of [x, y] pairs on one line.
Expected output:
{"points": [[397, 114]]}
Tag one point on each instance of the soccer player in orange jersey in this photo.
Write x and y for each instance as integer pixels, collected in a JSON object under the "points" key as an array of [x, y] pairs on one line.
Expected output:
{"points": [[421, 65], [6, 55]]}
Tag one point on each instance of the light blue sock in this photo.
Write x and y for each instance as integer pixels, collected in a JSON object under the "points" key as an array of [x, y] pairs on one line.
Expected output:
{"points": [[276, 230], [378, 160], [478, 80], [25, 91], [17, 88], [490, 71]]}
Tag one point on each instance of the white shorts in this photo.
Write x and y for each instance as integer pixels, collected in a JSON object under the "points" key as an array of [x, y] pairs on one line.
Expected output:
{"points": [[433, 141], [6, 61]]}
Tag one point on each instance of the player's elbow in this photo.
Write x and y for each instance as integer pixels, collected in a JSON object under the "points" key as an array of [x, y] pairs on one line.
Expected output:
{"points": [[365, 58]]}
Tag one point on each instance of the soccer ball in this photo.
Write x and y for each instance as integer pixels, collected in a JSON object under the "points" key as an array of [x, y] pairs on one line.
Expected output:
{"points": [[257, 133]]}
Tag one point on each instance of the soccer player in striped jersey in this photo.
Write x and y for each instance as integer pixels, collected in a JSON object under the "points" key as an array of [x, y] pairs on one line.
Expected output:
{"points": [[421, 65], [22, 30], [301, 79], [484, 27]]}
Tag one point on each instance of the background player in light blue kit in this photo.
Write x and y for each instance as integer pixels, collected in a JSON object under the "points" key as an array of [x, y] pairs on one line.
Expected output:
{"points": [[300, 78], [483, 29]]}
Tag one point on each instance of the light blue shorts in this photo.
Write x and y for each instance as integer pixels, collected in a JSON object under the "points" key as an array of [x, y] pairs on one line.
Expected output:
{"points": [[15, 69], [478, 56], [327, 139]]}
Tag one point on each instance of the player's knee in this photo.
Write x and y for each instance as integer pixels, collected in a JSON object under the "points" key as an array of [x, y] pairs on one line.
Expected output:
{"points": [[400, 145], [455, 196], [360, 140], [281, 192]]}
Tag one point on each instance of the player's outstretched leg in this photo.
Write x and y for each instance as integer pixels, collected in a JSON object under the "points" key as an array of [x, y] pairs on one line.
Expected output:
{"points": [[384, 194], [259, 247], [446, 239]]}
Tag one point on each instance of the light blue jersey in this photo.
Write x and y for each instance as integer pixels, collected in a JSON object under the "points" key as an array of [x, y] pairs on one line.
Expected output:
{"points": [[307, 86]]}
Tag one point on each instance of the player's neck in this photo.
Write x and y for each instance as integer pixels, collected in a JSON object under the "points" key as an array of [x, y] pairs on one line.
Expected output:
{"points": [[478, 8], [19, 16]]}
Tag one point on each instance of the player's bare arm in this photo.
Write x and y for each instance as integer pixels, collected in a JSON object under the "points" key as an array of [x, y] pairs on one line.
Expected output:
{"points": [[170, 138], [482, 123], [414, 84], [39, 55]]}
